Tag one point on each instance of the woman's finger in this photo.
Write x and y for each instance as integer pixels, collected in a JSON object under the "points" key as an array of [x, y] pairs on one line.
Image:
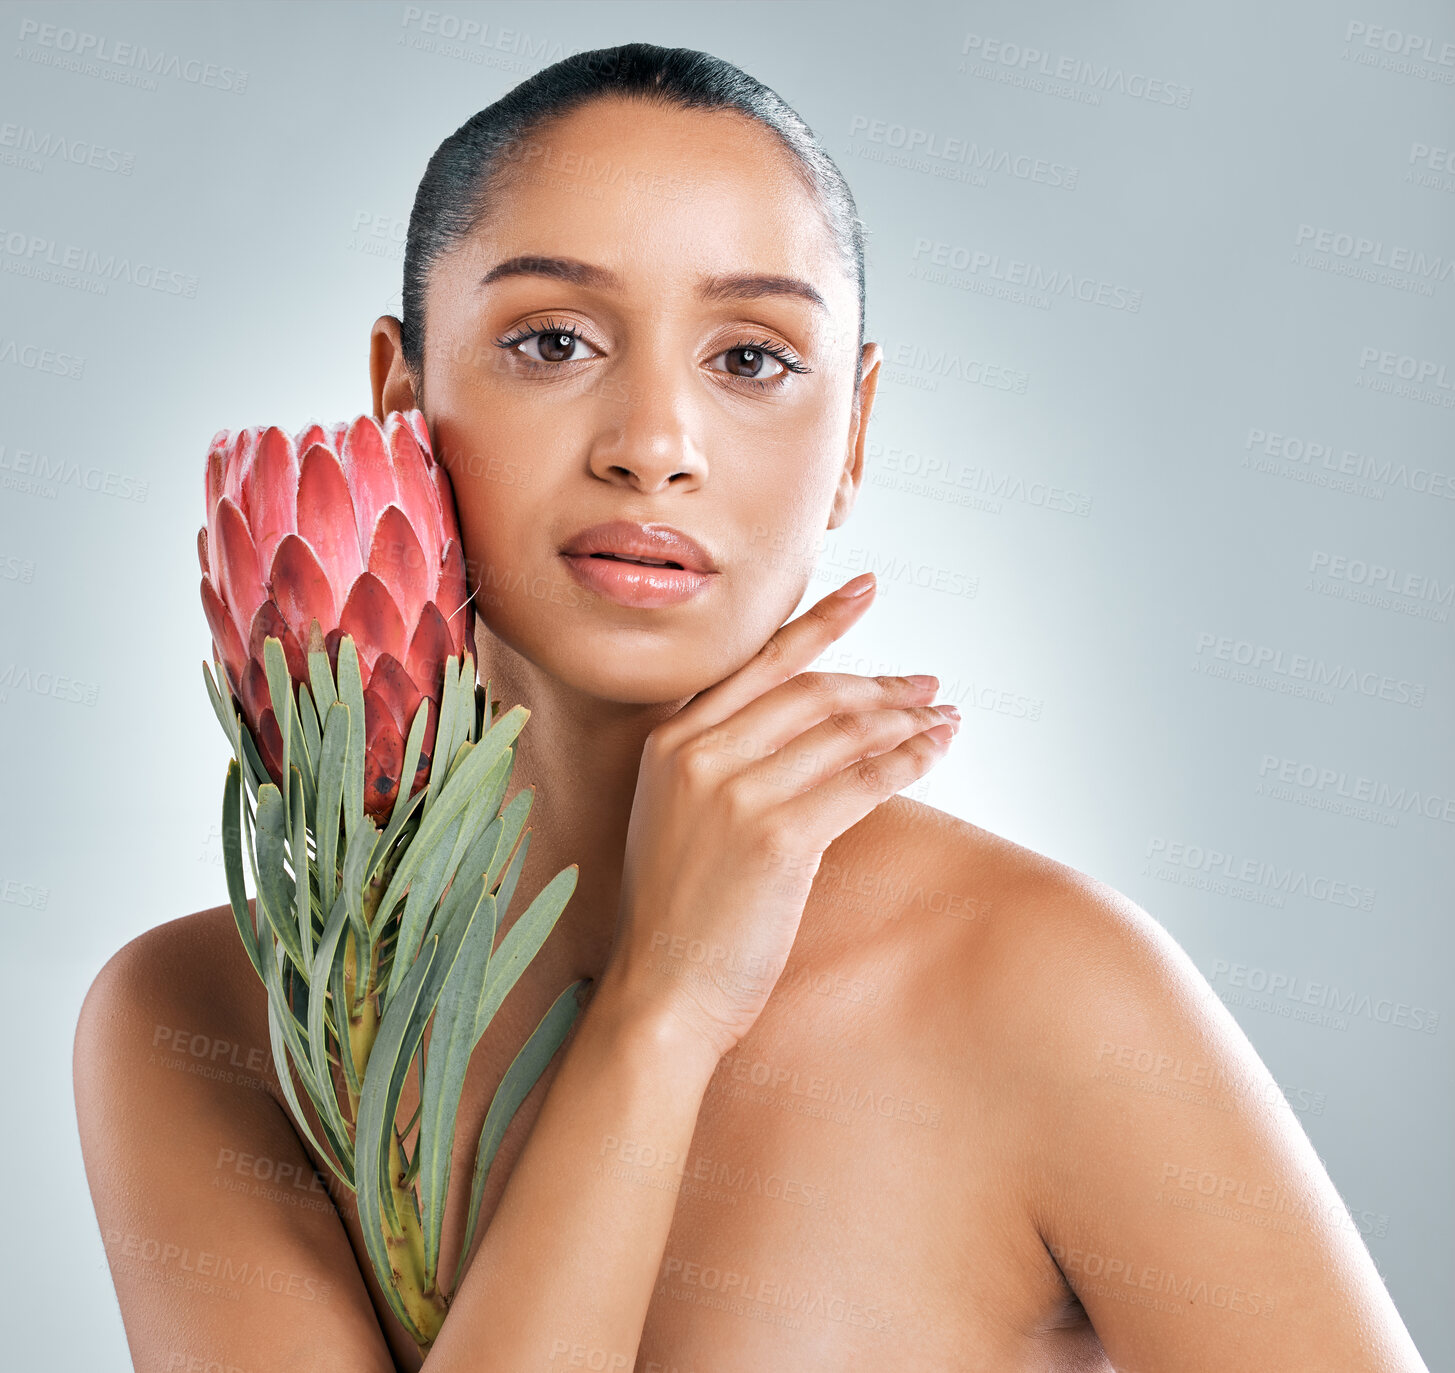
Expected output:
{"points": [[827, 749], [824, 812], [789, 651]]}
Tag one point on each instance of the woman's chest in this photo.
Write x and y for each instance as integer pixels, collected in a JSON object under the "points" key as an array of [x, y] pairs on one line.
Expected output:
{"points": [[842, 1205], [840, 1208]]}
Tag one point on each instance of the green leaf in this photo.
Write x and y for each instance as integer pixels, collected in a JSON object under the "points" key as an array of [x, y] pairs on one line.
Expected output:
{"points": [[275, 886], [393, 1048], [243, 748], [257, 773], [237, 893], [280, 692], [308, 714], [444, 735], [307, 765], [320, 676], [398, 818], [351, 693], [522, 942], [361, 846], [330, 953], [298, 853], [483, 807], [523, 1074], [506, 889], [219, 708], [342, 1012], [469, 879], [513, 818], [424, 891], [330, 798], [464, 775], [462, 783], [450, 1044], [412, 749], [280, 1066]]}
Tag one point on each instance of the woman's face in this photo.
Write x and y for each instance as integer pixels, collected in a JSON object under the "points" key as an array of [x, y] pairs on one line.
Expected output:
{"points": [[674, 403]]}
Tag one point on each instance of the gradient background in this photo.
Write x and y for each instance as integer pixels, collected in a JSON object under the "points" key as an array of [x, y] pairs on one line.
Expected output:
{"points": [[1088, 508]]}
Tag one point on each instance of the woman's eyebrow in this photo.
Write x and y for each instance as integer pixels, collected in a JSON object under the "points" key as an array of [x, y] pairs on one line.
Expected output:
{"points": [[734, 286]]}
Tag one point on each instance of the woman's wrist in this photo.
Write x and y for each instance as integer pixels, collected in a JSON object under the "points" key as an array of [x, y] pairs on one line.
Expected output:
{"points": [[643, 1023]]}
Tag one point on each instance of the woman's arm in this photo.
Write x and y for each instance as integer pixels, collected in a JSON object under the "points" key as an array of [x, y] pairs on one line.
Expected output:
{"points": [[1179, 1195], [224, 1249], [568, 1262]]}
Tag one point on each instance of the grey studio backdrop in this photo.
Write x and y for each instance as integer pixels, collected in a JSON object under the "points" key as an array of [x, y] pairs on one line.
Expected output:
{"points": [[1160, 483]]}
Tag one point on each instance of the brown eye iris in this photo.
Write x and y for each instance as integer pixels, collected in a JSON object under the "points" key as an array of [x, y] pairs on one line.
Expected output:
{"points": [[555, 347], [748, 362]]}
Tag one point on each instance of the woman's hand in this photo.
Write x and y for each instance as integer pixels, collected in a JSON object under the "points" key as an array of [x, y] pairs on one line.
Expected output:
{"points": [[737, 798]]}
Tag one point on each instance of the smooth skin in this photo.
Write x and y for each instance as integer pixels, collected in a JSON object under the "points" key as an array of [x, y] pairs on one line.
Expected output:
{"points": [[858, 1085]]}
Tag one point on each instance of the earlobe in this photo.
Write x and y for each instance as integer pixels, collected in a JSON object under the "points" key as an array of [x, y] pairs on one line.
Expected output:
{"points": [[389, 378]]}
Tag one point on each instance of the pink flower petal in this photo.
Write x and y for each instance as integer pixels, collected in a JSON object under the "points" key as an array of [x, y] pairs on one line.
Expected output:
{"points": [[213, 481], [269, 623], [449, 519], [272, 491], [418, 495], [370, 471], [398, 561], [269, 739], [239, 460], [373, 619], [326, 519], [309, 435], [450, 597], [300, 588], [225, 638], [240, 580], [397, 690], [254, 696], [383, 757], [421, 432], [428, 650]]}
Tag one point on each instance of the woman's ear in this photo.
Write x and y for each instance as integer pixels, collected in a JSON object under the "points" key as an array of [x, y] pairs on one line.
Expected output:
{"points": [[389, 377], [852, 476]]}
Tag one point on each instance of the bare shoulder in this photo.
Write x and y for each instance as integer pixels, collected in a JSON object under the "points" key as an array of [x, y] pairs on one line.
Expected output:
{"points": [[195, 963], [1166, 1174], [1065, 978], [1026, 926], [177, 984], [218, 1233]]}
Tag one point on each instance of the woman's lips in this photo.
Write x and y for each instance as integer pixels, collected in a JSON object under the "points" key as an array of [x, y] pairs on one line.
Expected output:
{"points": [[635, 584]]}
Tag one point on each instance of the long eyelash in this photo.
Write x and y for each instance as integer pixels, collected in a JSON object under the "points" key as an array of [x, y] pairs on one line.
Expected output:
{"points": [[787, 357], [549, 326]]}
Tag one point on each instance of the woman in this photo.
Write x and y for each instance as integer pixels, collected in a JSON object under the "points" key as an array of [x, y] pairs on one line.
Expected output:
{"points": [[859, 1085]]}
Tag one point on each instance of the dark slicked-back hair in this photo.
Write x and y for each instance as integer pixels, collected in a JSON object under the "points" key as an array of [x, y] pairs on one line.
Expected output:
{"points": [[454, 195]]}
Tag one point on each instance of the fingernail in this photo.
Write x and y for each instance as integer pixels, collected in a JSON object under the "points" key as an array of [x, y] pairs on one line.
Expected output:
{"points": [[921, 680], [858, 586]]}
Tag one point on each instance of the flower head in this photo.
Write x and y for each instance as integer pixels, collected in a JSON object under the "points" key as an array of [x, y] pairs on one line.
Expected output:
{"points": [[351, 530]]}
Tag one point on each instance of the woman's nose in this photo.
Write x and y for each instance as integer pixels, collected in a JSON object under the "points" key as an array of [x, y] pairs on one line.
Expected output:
{"points": [[648, 439]]}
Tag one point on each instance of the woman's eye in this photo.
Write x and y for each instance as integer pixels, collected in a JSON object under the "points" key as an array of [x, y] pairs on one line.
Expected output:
{"points": [[552, 346], [753, 364]]}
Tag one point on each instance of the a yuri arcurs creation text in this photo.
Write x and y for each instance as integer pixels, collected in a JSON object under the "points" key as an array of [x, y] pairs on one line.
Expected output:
{"points": [[365, 793]]}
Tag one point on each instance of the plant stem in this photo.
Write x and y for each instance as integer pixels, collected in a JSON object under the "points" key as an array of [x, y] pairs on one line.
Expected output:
{"points": [[423, 1302]]}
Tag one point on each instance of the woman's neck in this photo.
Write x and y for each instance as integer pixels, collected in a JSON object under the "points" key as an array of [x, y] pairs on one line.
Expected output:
{"points": [[581, 754]]}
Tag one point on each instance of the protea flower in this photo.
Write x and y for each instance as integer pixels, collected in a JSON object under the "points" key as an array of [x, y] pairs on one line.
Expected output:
{"points": [[345, 530], [334, 584]]}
